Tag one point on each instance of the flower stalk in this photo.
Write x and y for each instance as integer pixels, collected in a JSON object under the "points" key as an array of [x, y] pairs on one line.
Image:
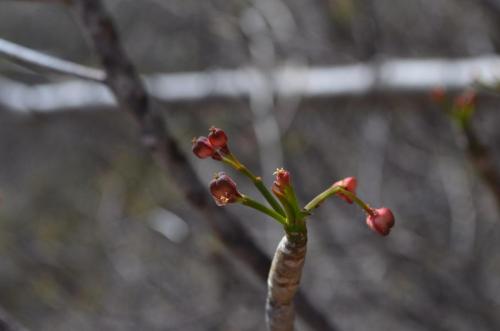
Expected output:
{"points": [[335, 190], [249, 202], [232, 161]]}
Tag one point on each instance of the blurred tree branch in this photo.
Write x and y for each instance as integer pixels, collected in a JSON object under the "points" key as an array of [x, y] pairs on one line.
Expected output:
{"points": [[390, 76], [481, 158], [7, 322], [39, 61], [492, 9]]}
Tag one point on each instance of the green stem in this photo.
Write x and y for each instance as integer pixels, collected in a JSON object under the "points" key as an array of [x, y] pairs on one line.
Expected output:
{"points": [[289, 211], [357, 200], [314, 203], [298, 218], [317, 200], [249, 202], [292, 197], [257, 181]]}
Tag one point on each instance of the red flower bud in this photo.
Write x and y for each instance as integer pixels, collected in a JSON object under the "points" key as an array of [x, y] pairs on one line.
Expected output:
{"points": [[381, 221], [281, 181], [466, 99], [438, 94], [349, 184], [217, 137], [202, 147], [223, 189]]}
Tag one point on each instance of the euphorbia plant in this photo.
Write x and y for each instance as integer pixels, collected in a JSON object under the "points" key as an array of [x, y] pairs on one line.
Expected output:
{"points": [[461, 109], [283, 207]]}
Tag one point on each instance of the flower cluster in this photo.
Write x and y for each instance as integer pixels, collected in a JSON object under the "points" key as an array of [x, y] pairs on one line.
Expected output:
{"points": [[380, 220], [214, 146], [460, 107], [285, 209]]}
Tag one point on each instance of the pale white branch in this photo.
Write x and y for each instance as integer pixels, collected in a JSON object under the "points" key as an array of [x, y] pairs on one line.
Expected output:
{"points": [[37, 60], [396, 75]]}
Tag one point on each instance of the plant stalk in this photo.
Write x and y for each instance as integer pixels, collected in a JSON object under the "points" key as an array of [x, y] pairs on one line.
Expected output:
{"points": [[249, 202], [256, 180], [283, 281], [316, 202]]}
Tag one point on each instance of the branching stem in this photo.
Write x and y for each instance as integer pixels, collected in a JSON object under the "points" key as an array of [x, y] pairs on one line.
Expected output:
{"points": [[256, 180], [249, 202], [315, 203]]}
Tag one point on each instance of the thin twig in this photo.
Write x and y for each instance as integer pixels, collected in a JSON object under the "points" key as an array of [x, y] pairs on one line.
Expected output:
{"points": [[131, 95], [37, 60], [481, 158]]}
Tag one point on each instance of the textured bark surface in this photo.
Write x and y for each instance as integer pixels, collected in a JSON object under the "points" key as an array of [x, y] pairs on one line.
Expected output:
{"points": [[283, 282]]}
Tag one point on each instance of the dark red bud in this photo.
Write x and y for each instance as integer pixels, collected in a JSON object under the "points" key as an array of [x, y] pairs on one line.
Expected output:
{"points": [[381, 221], [281, 181], [202, 147], [223, 189], [349, 184], [216, 156], [217, 137]]}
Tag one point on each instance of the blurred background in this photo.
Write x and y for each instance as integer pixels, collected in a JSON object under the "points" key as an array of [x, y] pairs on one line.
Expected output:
{"points": [[94, 236]]}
